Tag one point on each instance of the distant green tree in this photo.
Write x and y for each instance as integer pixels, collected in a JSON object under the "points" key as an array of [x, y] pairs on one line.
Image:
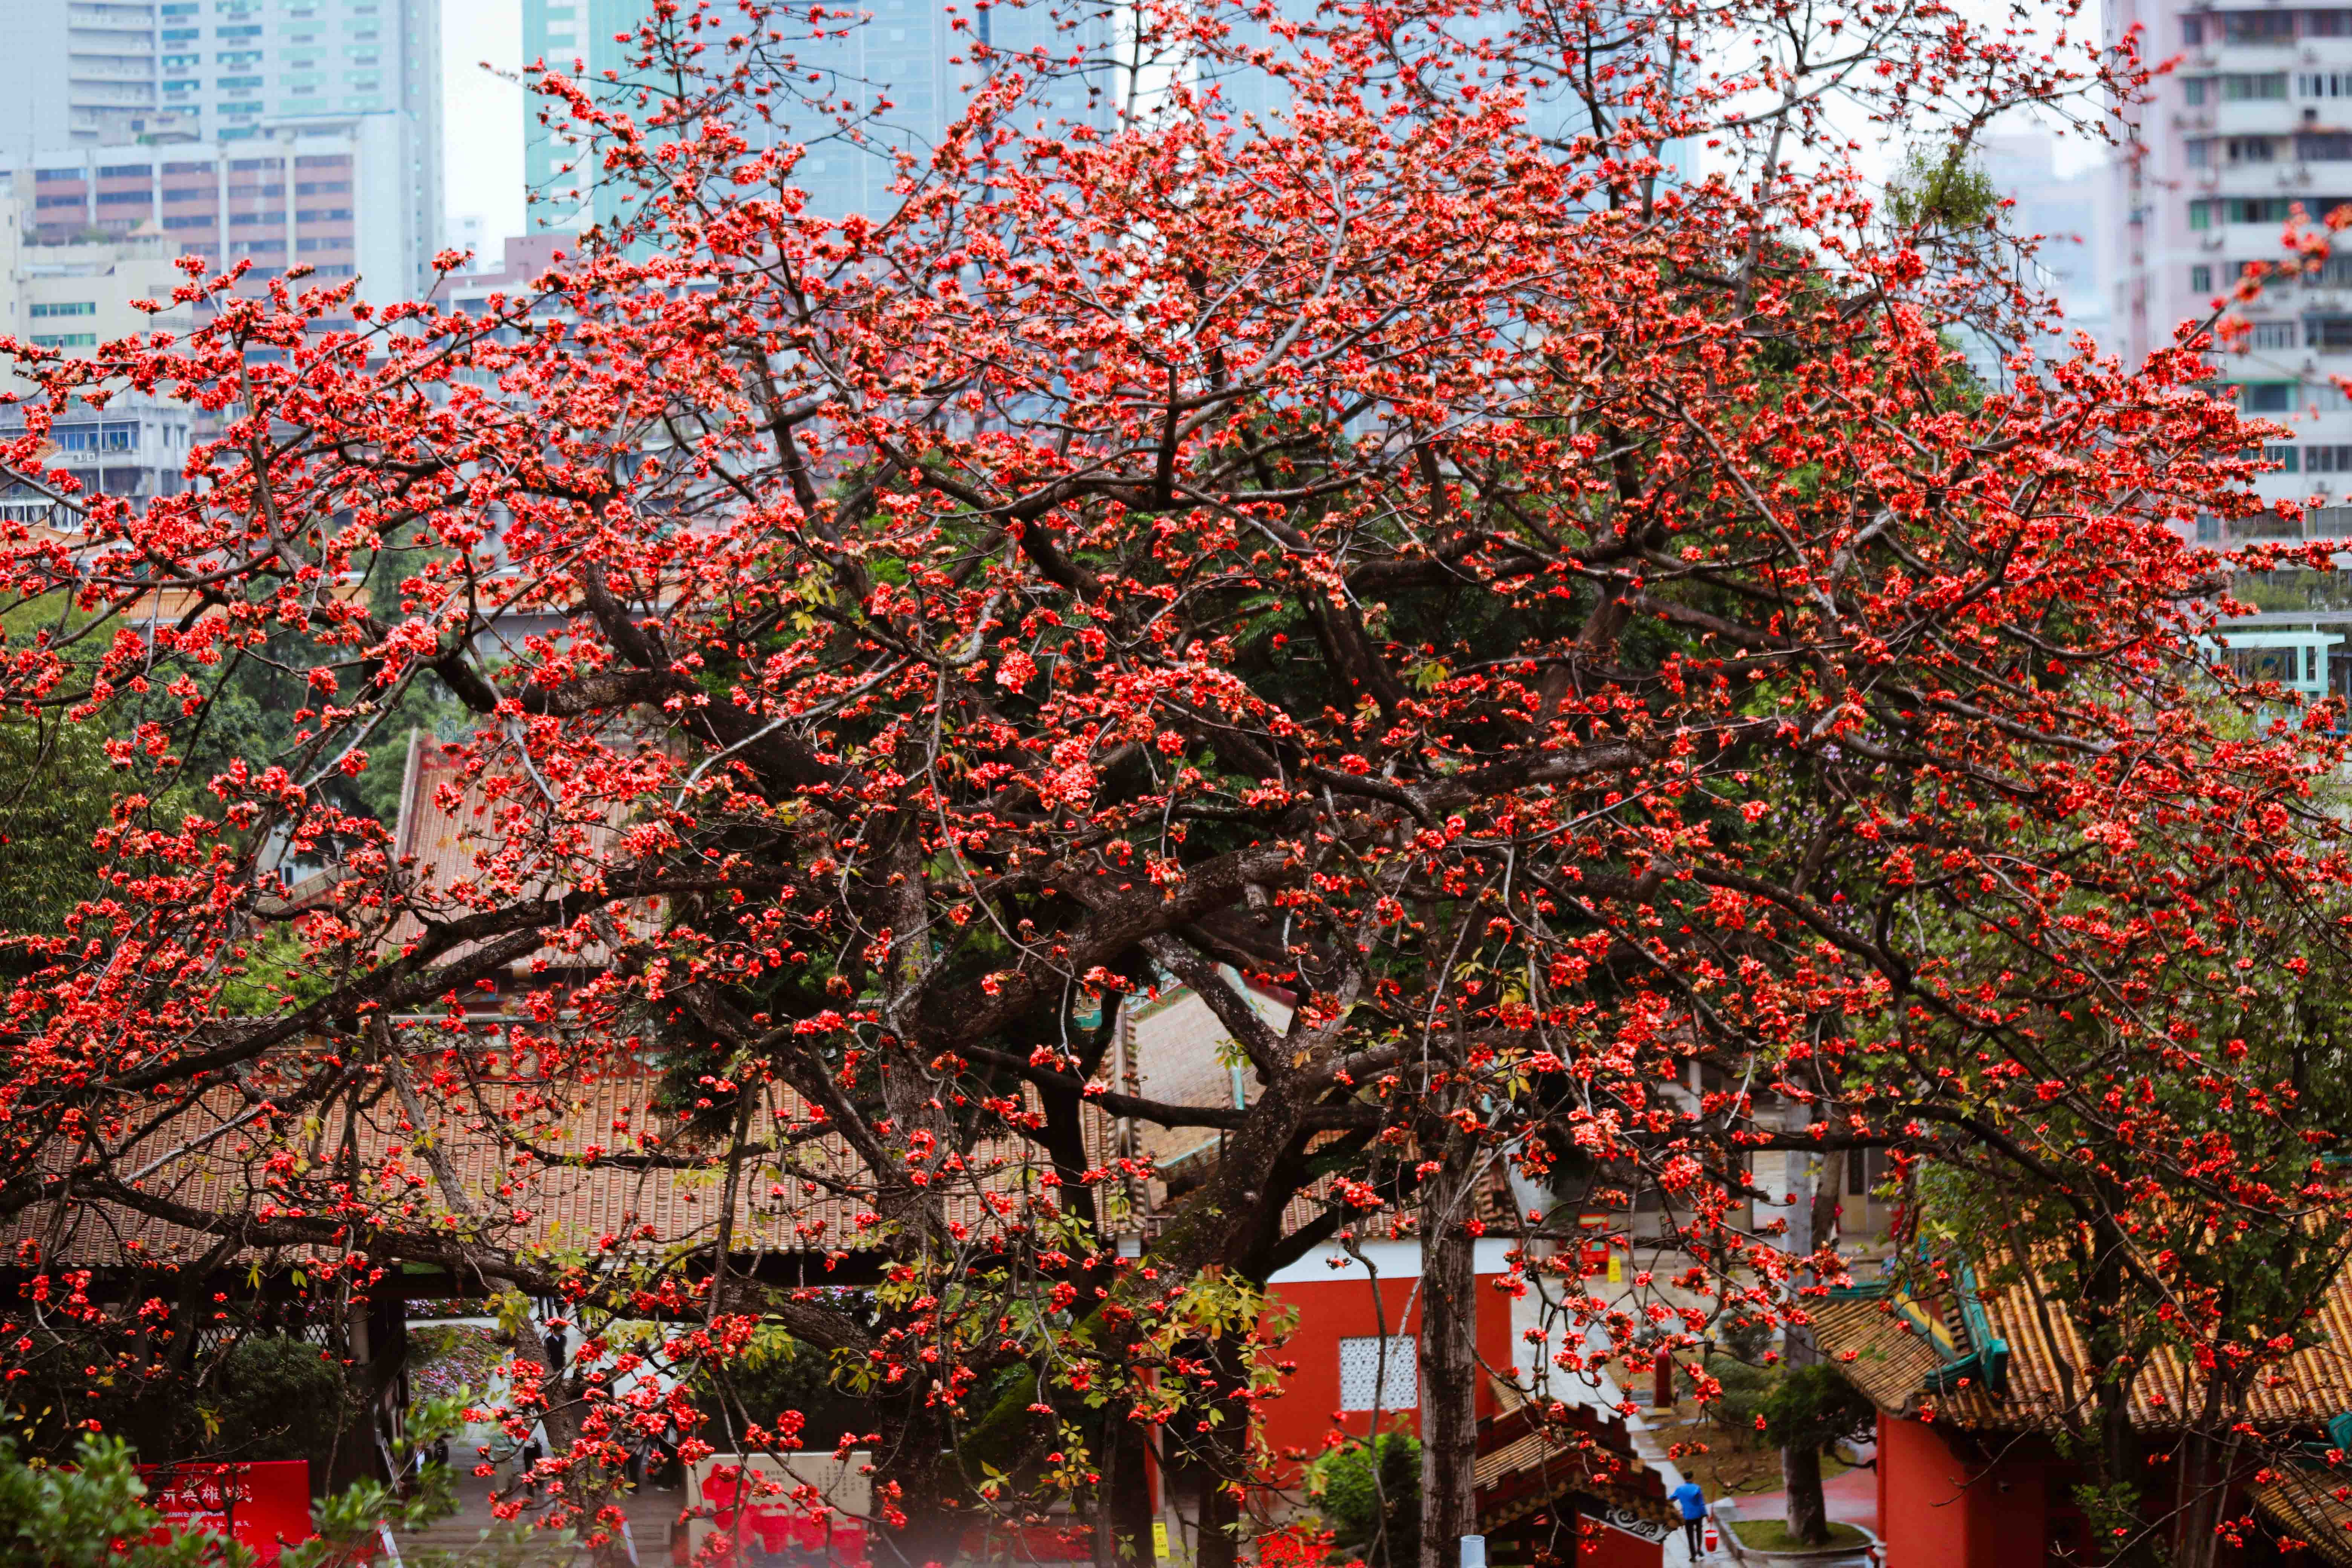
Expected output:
{"points": [[1812, 1409], [1369, 1494], [56, 791], [272, 1396]]}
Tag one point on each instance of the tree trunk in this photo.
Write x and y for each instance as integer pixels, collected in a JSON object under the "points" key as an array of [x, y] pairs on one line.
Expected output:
{"points": [[1801, 1477], [1221, 1517], [1123, 1516], [911, 1474], [1448, 1358]]}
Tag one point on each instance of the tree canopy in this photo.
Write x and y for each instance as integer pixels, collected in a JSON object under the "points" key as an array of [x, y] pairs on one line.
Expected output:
{"points": [[1564, 619]]}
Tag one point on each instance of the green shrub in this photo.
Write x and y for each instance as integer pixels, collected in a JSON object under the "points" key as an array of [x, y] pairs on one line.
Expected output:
{"points": [[92, 1513], [1369, 1494], [273, 1398]]}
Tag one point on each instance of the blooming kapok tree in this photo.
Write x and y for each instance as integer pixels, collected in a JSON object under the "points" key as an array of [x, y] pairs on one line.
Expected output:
{"points": [[1573, 627]]}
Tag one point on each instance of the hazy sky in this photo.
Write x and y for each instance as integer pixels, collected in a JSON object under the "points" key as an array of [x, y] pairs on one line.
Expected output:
{"points": [[482, 116]]}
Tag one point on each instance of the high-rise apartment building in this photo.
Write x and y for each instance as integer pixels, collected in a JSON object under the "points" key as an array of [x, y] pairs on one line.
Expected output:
{"points": [[903, 50], [2256, 120], [297, 195], [82, 75]]}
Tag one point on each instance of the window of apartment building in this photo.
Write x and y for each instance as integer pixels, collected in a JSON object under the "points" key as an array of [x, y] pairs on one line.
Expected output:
{"points": [[2200, 280], [2282, 456], [2211, 210], [192, 220], [322, 188], [2198, 154], [180, 35], [109, 436], [2328, 332], [2193, 30], [2253, 150], [312, 246], [2327, 459], [127, 172], [2271, 335], [246, 32], [188, 168], [252, 165], [259, 246], [2325, 146], [2193, 90], [250, 189], [2258, 27], [187, 193], [323, 161], [239, 84], [2266, 397], [44, 176], [181, 62], [2243, 87], [2323, 84], [324, 214], [237, 58], [64, 308], [64, 340], [58, 201], [122, 198], [2327, 24], [1379, 1374]]}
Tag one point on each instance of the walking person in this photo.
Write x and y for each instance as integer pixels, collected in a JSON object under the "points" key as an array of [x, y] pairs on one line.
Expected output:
{"points": [[1693, 1504]]}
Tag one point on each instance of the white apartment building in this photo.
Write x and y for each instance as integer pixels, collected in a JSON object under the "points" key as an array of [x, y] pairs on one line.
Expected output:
{"points": [[119, 79], [2256, 119]]}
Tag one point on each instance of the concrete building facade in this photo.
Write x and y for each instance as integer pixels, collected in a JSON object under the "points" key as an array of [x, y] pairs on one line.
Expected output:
{"points": [[139, 92], [2256, 120], [301, 195]]}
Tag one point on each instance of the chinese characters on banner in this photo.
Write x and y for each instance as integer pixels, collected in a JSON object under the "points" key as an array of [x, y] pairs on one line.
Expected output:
{"points": [[261, 1505]]}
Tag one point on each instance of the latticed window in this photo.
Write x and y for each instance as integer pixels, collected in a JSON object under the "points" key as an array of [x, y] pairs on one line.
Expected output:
{"points": [[1379, 1373]]}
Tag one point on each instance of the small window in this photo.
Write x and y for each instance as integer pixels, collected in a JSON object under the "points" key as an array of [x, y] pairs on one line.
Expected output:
{"points": [[2193, 30], [2266, 397], [2200, 280], [1379, 1374], [2193, 90], [2283, 455], [2258, 27]]}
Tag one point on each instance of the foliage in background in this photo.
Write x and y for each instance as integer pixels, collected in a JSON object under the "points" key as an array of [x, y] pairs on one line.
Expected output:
{"points": [[1370, 1496], [270, 1397]]}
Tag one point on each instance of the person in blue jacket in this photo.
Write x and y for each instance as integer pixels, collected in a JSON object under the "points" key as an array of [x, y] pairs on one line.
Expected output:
{"points": [[1693, 1504]]}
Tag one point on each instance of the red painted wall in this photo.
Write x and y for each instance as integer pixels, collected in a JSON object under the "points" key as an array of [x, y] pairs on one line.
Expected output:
{"points": [[1941, 1506], [1307, 1411]]}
